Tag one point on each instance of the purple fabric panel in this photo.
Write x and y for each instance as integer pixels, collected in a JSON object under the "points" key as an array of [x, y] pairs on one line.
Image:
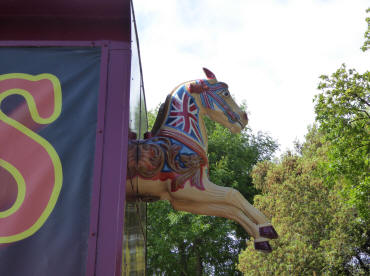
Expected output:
{"points": [[94, 211], [65, 20], [50, 28], [51, 43], [79, 8], [112, 193]]}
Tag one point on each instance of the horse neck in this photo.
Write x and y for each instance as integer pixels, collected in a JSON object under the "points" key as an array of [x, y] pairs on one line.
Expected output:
{"points": [[203, 129], [186, 106]]}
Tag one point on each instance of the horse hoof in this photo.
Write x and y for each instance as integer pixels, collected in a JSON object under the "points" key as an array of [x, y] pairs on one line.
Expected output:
{"points": [[263, 246], [268, 232]]}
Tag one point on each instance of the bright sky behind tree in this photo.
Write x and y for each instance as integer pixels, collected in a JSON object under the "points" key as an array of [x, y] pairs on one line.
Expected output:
{"points": [[270, 53]]}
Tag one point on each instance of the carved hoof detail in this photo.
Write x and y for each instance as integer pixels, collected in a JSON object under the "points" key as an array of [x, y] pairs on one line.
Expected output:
{"points": [[263, 246], [268, 232]]}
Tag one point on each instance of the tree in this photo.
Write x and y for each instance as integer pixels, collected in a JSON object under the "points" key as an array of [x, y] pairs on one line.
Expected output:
{"points": [[366, 44], [319, 201], [180, 243], [319, 232], [343, 113]]}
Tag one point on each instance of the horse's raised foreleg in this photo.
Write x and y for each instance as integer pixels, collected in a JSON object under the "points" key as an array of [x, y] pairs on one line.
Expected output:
{"points": [[231, 197], [226, 211], [235, 198]]}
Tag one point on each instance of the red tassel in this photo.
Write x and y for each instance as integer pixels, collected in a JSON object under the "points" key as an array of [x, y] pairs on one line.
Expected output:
{"points": [[198, 87], [148, 135]]}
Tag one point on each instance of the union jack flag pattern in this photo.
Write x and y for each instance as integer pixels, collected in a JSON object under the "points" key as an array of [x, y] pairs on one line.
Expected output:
{"points": [[183, 115]]}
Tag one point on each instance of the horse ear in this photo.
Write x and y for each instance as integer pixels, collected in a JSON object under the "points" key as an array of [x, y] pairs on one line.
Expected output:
{"points": [[209, 74]]}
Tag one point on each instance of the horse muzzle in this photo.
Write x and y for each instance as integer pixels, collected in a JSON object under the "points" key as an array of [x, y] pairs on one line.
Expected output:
{"points": [[242, 120], [245, 119]]}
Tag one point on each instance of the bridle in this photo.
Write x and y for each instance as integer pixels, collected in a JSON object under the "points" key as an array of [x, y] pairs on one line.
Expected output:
{"points": [[208, 91]]}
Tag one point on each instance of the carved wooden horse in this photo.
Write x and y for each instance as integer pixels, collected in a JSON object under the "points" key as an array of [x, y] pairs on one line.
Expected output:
{"points": [[172, 164]]}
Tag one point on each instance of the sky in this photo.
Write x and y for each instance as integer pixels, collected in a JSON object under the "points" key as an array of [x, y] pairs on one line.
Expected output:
{"points": [[270, 53]]}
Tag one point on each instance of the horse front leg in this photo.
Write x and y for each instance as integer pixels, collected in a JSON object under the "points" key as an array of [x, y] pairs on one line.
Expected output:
{"points": [[231, 197], [226, 211], [235, 198]]}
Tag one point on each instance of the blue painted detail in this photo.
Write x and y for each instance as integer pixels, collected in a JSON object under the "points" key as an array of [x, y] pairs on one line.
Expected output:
{"points": [[183, 115]]}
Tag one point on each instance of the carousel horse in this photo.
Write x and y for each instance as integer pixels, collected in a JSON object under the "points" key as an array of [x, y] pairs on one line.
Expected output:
{"points": [[171, 162]]}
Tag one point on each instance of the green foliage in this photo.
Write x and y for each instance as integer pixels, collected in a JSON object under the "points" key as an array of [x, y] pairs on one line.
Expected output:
{"points": [[180, 243], [152, 115], [366, 44], [138, 120], [343, 112], [319, 233]]}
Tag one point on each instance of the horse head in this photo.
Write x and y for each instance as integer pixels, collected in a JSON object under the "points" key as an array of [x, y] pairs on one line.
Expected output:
{"points": [[216, 102]]}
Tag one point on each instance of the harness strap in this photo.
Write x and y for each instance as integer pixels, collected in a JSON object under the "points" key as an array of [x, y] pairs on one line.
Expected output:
{"points": [[186, 141]]}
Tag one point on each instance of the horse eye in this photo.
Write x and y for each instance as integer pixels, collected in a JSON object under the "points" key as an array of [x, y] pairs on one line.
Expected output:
{"points": [[226, 93]]}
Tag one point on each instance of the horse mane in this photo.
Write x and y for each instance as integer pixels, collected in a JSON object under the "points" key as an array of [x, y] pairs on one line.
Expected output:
{"points": [[163, 109], [162, 112]]}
